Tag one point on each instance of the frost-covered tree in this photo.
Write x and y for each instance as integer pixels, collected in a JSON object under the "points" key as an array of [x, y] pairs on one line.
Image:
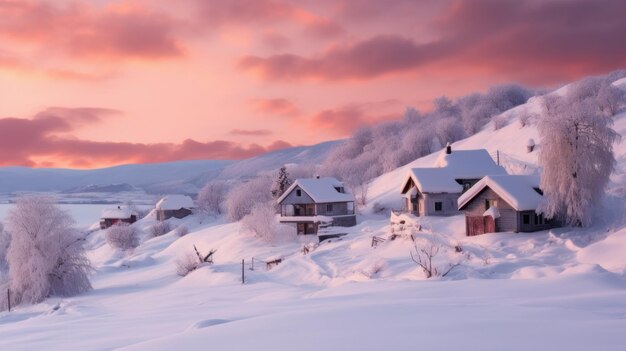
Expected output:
{"points": [[46, 255], [5, 240], [281, 183], [242, 197], [211, 197], [263, 224], [576, 153], [122, 236]]}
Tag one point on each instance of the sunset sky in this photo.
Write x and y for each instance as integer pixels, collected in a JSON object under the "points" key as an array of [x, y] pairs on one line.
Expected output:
{"points": [[95, 83]]}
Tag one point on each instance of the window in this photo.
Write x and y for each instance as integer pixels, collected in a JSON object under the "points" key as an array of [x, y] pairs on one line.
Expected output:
{"points": [[350, 207], [526, 219], [539, 219], [466, 186], [438, 206], [490, 203], [300, 228], [339, 189], [329, 207], [298, 192]]}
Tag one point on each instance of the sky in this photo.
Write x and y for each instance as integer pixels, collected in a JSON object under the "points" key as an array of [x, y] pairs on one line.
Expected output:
{"points": [[88, 84]]}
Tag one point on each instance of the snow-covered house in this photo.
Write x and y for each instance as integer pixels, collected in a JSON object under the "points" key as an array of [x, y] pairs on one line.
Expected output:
{"points": [[114, 215], [504, 203], [179, 206], [311, 202], [434, 191]]}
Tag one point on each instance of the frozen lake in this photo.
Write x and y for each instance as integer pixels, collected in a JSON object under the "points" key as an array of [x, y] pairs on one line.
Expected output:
{"points": [[84, 214]]}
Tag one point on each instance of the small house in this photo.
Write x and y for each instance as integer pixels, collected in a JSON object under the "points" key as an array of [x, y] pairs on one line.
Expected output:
{"points": [[312, 203], [116, 215], [177, 206], [434, 191], [504, 203]]}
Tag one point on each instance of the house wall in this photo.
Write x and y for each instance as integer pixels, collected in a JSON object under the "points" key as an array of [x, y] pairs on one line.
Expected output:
{"points": [[449, 204], [292, 199], [339, 208], [508, 220], [532, 227], [167, 214]]}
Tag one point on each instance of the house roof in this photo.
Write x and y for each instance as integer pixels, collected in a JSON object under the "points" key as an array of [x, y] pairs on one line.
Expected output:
{"points": [[517, 190], [175, 202], [460, 164], [320, 190], [434, 180], [469, 164], [118, 212]]}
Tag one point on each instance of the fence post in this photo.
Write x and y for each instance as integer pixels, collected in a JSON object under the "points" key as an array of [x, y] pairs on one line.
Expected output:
{"points": [[498, 156], [252, 266], [242, 272], [9, 299]]}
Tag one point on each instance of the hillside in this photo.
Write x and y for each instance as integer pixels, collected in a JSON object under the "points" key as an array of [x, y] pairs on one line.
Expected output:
{"points": [[563, 287]]}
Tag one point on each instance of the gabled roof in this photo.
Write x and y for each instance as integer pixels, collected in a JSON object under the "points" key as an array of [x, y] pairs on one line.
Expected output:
{"points": [[469, 164], [517, 190], [459, 164], [434, 180], [321, 190], [118, 212], [175, 202]]}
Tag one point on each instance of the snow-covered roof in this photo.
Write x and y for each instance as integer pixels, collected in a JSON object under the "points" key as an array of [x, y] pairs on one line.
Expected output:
{"points": [[175, 202], [435, 180], [469, 164], [459, 164], [321, 190], [117, 212], [517, 190]]}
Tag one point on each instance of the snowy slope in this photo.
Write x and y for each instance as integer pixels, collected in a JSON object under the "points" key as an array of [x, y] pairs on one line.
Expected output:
{"points": [[562, 289]]}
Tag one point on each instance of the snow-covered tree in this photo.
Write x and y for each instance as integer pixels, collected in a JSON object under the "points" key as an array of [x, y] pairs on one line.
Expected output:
{"points": [[576, 153], [263, 224], [281, 183], [122, 236], [211, 197], [242, 197], [46, 255], [5, 240], [160, 228]]}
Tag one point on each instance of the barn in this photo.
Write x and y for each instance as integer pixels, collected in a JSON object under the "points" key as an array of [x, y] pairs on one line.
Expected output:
{"points": [[116, 215], [177, 206], [504, 203]]}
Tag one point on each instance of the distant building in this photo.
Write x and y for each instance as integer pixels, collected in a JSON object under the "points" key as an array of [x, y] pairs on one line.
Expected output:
{"points": [[434, 191], [504, 203], [312, 203], [177, 206], [116, 215]]}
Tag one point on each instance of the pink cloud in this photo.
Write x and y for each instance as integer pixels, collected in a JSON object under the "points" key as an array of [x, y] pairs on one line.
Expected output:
{"points": [[46, 136], [251, 132], [276, 106]]}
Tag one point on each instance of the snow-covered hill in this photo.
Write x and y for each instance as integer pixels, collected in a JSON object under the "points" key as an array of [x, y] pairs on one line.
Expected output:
{"points": [[562, 289], [181, 176]]}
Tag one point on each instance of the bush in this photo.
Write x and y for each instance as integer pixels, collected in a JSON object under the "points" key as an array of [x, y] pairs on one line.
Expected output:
{"points": [[243, 196], [160, 228], [181, 231], [122, 236], [263, 224], [211, 197], [187, 264]]}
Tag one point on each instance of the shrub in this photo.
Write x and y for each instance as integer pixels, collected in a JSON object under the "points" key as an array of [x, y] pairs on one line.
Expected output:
{"points": [[243, 196], [122, 236], [211, 197], [181, 231], [263, 224], [160, 228]]}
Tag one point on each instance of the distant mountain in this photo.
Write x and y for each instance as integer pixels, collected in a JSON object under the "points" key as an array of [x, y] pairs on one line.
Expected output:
{"points": [[159, 178], [101, 188]]}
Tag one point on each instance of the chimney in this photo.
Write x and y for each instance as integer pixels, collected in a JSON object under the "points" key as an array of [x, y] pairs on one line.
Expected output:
{"points": [[448, 148], [118, 207], [317, 176]]}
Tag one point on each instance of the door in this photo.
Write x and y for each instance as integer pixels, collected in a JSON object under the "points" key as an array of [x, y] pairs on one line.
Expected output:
{"points": [[475, 225]]}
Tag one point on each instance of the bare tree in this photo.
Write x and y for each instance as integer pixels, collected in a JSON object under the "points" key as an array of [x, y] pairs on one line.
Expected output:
{"points": [[576, 153], [424, 256], [46, 255], [122, 236], [192, 261], [211, 197]]}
